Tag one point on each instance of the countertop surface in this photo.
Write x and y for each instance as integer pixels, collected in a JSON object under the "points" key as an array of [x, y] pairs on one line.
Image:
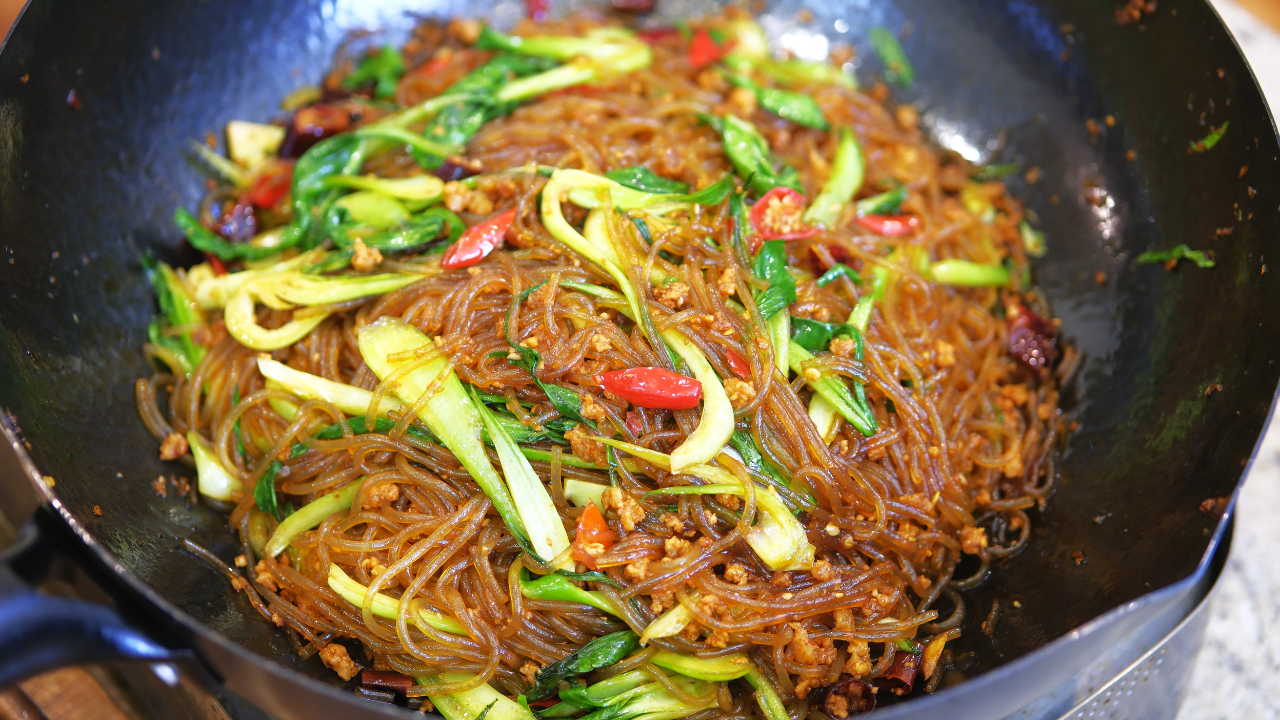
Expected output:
{"points": [[1237, 675]]}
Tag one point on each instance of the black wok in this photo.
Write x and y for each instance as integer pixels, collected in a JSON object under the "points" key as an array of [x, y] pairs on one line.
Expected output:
{"points": [[97, 101]]}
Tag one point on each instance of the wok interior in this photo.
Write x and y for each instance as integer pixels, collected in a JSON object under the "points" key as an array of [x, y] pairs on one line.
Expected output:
{"points": [[86, 191]]}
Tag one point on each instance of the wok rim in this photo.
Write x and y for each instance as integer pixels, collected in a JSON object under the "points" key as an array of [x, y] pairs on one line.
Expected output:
{"points": [[128, 587]]}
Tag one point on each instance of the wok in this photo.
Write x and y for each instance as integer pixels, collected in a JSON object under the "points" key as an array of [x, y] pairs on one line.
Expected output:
{"points": [[98, 100]]}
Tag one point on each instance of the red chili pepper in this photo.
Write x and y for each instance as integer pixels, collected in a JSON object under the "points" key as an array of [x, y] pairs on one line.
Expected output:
{"points": [[779, 215], [652, 387], [537, 10], [737, 364], [703, 50], [592, 531], [216, 263], [272, 184], [478, 241], [887, 225]]}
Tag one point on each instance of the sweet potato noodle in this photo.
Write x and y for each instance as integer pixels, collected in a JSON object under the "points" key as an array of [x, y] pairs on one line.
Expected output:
{"points": [[903, 521]]}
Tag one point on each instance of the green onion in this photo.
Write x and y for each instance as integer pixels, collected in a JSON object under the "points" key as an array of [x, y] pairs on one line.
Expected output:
{"points": [[897, 69]]}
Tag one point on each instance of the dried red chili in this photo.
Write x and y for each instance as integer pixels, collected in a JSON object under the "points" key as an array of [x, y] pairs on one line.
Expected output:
{"points": [[889, 225], [478, 241], [1033, 340], [310, 125], [779, 215], [537, 10], [901, 674], [652, 387]]}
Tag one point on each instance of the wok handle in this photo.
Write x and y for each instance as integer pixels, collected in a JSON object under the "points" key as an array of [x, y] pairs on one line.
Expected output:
{"points": [[41, 632]]}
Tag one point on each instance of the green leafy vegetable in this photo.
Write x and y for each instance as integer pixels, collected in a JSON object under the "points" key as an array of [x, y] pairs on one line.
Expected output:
{"points": [[966, 273], [180, 310], [749, 152], [1173, 255], [449, 411], [537, 511], [796, 107], [1032, 239], [1208, 141], [309, 516], [601, 652], [770, 704], [566, 402], [264, 493], [383, 68], [886, 203], [847, 173], [897, 69], [641, 178], [988, 173], [852, 405], [837, 271], [471, 704], [815, 336], [204, 240], [771, 266], [212, 479]]}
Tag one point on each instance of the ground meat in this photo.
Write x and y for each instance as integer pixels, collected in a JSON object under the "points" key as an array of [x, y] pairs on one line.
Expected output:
{"points": [[837, 706], [844, 347], [733, 502], [844, 619], [661, 601], [859, 662], [336, 658], [1017, 393], [736, 573], [629, 511], [672, 296], [742, 101], [973, 539], [381, 494], [586, 447], [591, 410], [780, 579], [740, 392], [637, 569], [600, 342], [676, 547], [908, 118], [673, 523], [455, 196], [174, 447], [808, 652], [529, 671], [919, 501], [945, 353], [159, 487], [264, 576], [365, 257], [717, 639], [806, 684], [459, 198], [464, 31], [822, 570], [727, 284]]}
